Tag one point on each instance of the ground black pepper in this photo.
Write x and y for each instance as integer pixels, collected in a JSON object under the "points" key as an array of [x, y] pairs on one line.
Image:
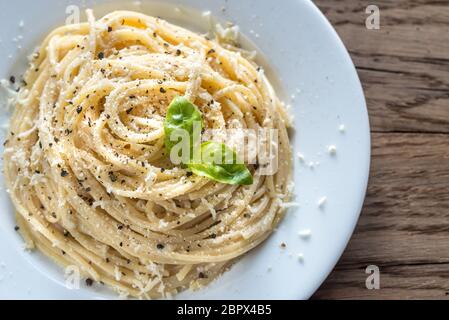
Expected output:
{"points": [[112, 176]]}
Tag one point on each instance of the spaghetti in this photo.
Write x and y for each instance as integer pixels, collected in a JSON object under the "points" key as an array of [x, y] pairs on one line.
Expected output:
{"points": [[86, 167]]}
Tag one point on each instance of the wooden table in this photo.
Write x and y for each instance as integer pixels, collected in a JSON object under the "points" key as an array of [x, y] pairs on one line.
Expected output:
{"points": [[404, 225]]}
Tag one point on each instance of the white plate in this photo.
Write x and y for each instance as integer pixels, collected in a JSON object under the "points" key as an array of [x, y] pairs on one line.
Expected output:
{"points": [[307, 60]]}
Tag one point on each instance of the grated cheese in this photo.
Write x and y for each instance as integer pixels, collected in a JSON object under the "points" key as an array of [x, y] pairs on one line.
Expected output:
{"points": [[332, 150], [322, 202], [305, 234]]}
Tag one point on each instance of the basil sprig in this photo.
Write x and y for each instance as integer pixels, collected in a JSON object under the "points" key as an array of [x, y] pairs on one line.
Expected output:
{"points": [[215, 160], [180, 121], [220, 163]]}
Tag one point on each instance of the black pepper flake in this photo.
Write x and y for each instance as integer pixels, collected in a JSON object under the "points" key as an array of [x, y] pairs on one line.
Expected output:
{"points": [[178, 52], [12, 79], [16, 228], [132, 96], [201, 275], [160, 246], [89, 282], [112, 176], [121, 244], [162, 169], [101, 55], [162, 90], [66, 233], [211, 51], [109, 29], [189, 173], [120, 227], [283, 245], [213, 236], [64, 173]]}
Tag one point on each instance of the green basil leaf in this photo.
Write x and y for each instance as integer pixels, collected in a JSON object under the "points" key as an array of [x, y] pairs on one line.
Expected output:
{"points": [[181, 117], [219, 163]]}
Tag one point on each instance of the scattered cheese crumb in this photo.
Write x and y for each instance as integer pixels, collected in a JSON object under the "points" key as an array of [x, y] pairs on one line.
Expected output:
{"points": [[229, 34], [342, 128], [21, 24], [301, 157], [300, 257], [322, 202], [305, 234], [332, 150], [210, 207], [289, 205]]}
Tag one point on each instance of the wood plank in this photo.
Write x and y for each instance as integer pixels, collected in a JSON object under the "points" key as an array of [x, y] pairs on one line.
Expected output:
{"points": [[404, 226], [404, 65]]}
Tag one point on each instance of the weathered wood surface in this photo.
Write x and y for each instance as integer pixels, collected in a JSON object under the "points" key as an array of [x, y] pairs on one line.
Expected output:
{"points": [[404, 226]]}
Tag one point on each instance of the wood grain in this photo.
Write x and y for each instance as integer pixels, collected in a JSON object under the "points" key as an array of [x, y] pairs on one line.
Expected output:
{"points": [[404, 226], [403, 65]]}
